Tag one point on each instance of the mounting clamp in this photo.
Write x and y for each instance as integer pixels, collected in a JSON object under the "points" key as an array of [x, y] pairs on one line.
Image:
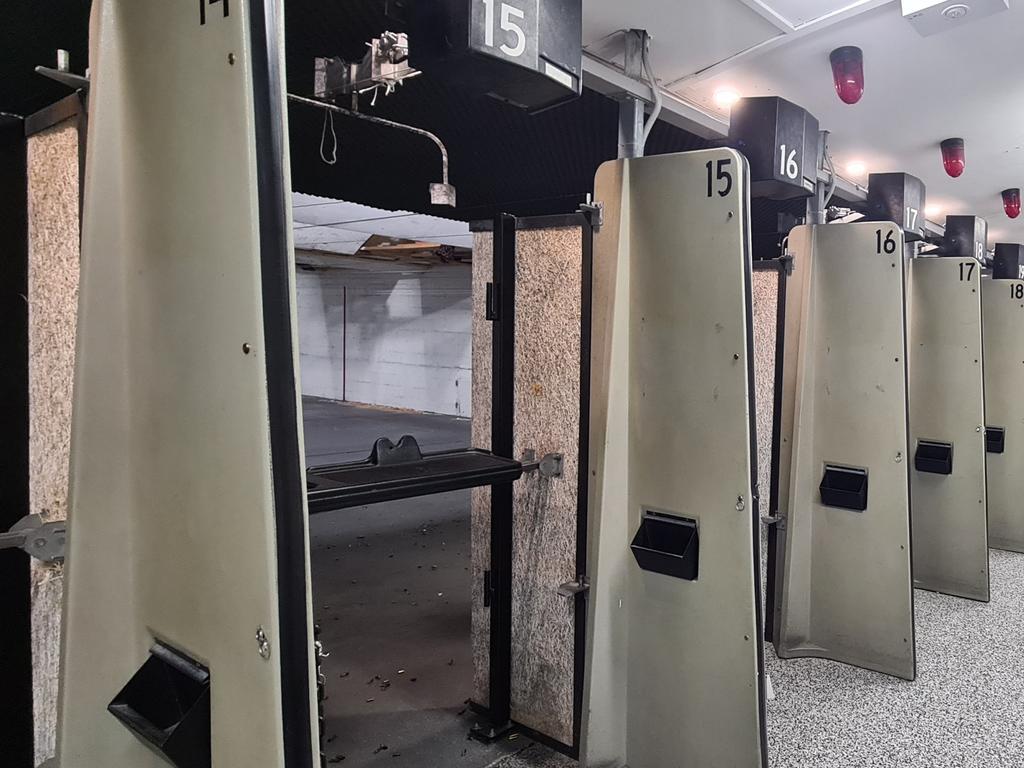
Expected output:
{"points": [[550, 464], [44, 541]]}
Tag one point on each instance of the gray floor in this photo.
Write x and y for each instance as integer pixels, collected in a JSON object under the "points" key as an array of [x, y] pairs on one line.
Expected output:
{"points": [[391, 593], [966, 708]]}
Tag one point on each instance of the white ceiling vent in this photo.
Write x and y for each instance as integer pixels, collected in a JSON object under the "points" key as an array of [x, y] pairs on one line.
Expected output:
{"points": [[930, 18]]}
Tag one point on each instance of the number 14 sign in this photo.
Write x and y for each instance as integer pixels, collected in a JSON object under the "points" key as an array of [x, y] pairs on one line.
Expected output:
{"points": [[506, 29]]}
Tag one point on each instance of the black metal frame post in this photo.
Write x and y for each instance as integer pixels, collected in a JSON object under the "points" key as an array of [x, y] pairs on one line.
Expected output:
{"points": [[503, 315], [783, 267], [16, 722], [583, 476]]}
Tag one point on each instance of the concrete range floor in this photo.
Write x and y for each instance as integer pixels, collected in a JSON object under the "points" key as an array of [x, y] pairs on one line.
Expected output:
{"points": [[391, 593]]}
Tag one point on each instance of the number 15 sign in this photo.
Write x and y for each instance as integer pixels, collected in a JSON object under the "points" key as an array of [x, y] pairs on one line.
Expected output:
{"points": [[506, 29]]}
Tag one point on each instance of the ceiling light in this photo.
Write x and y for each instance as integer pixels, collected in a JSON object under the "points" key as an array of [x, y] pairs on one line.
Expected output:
{"points": [[848, 73], [856, 168], [953, 157], [1011, 202], [726, 97], [932, 211]]}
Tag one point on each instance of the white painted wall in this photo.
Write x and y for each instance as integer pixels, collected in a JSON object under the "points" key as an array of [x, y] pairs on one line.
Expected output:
{"points": [[407, 336]]}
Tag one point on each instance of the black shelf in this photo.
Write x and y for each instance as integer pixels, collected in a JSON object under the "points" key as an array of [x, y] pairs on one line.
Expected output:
{"points": [[401, 471]]}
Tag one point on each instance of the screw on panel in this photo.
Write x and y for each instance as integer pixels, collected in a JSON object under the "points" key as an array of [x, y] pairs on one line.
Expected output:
{"points": [[262, 643], [231, 59], [740, 504], [246, 349], [899, 456]]}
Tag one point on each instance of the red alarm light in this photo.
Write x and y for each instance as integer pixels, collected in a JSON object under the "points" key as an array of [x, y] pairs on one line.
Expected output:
{"points": [[953, 159], [1011, 202], [848, 72]]}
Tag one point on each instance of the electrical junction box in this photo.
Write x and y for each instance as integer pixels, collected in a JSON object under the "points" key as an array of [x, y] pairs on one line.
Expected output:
{"points": [[899, 198], [1009, 262], [930, 18], [780, 141], [525, 52], [966, 237]]}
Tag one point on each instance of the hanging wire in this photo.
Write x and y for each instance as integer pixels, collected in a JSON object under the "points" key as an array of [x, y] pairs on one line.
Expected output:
{"points": [[329, 118], [653, 80], [832, 177]]}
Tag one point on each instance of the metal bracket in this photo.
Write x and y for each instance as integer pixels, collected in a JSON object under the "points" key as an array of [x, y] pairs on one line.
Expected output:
{"points": [[550, 464], [787, 263], [573, 588], [596, 212], [44, 541]]}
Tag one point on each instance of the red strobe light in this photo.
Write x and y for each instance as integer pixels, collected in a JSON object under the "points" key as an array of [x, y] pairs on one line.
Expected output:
{"points": [[1011, 202], [848, 72], [953, 157]]}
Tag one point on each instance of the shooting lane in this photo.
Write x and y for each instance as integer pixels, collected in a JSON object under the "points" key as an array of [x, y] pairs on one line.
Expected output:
{"points": [[947, 415], [551, 264], [674, 663], [1002, 297]]}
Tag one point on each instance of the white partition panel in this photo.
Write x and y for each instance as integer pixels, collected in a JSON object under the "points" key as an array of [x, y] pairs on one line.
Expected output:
{"points": [[1003, 321], [674, 669], [188, 550], [845, 575], [947, 435]]}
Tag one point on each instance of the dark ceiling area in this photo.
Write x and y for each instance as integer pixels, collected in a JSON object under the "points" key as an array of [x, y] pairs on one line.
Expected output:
{"points": [[501, 158]]}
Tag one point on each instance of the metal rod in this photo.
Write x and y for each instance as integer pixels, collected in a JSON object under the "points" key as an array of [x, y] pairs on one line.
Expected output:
{"points": [[378, 121]]}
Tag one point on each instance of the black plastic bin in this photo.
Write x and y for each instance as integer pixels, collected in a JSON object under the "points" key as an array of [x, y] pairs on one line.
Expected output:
{"points": [[934, 457], [995, 439], [844, 487], [667, 544], [167, 705]]}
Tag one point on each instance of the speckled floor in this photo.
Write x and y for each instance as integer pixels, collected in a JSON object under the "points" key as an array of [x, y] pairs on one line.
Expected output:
{"points": [[965, 710]]}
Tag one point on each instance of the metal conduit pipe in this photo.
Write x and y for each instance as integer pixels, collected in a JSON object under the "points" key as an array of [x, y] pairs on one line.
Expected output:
{"points": [[440, 194]]}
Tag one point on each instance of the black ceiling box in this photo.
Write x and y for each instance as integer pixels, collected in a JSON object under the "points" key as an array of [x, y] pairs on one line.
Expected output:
{"points": [[780, 141], [1008, 261], [965, 237], [526, 52], [899, 198]]}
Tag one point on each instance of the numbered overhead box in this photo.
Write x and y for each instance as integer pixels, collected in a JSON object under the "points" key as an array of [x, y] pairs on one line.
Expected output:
{"points": [[187, 633], [780, 141], [844, 569], [674, 671], [900, 198], [947, 417], [525, 52], [1003, 324]]}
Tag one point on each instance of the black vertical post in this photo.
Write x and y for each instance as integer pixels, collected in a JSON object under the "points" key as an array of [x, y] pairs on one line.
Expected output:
{"points": [[16, 724], [771, 604], [583, 475], [502, 423]]}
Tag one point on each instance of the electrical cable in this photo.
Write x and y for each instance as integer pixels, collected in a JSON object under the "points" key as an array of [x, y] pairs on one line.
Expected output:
{"points": [[329, 117], [653, 81], [832, 178]]}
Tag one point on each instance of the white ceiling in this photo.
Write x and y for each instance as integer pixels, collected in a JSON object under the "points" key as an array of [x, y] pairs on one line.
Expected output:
{"points": [[967, 81], [335, 226]]}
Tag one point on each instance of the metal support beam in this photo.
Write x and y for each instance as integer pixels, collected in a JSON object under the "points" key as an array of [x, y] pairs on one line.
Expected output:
{"points": [[631, 126]]}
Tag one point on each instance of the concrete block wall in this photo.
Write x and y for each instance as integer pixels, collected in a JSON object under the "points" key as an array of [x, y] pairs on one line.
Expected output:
{"points": [[393, 336]]}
